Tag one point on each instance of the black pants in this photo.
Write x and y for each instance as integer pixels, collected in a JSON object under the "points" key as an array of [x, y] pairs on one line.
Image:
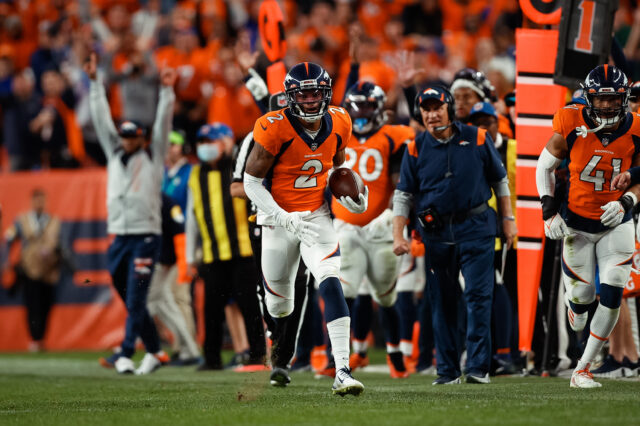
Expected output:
{"points": [[38, 299], [224, 279], [284, 331]]}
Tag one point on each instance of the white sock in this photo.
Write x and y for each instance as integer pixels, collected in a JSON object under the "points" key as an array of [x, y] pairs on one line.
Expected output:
{"points": [[392, 348], [339, 331], [406, 346], [360, 346], [602, 324]]}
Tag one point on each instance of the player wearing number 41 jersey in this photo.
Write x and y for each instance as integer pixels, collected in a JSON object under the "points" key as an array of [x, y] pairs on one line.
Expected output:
{"points": [[600, 141], [285, 177], [375, 153]]}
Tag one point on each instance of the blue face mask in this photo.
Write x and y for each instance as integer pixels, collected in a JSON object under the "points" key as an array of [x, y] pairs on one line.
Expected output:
{"points": [[208, 152], [361, 125]]}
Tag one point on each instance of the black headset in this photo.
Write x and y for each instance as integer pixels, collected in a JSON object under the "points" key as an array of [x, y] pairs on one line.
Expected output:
{"points": [[448, 99]]}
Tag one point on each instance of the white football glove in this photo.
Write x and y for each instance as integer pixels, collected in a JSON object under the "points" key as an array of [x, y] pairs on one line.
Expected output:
{"points": [[352, 206], [555, 228], [307, 232], [613, 214]]}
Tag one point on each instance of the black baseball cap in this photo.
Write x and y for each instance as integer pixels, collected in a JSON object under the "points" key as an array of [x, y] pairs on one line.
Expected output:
{"points": [[131, 129]]}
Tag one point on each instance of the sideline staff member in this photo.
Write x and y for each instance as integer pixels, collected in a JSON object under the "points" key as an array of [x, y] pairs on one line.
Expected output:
{"points": [[447, 173]]}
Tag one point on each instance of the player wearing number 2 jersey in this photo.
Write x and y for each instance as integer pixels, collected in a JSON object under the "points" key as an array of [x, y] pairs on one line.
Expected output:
{"points": [[285, 176], [375, 153], [600, 141]]}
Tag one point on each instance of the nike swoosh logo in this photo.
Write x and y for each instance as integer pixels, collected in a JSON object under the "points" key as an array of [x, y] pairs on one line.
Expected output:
{"points": [[263, 128], [340, 380]]}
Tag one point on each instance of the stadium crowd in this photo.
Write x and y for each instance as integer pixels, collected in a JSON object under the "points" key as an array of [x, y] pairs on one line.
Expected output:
{"points": [[214, 47]]}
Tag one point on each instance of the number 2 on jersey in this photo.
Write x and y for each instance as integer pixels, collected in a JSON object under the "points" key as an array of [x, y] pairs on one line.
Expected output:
{"points": [[598, 177], [308, 181]]}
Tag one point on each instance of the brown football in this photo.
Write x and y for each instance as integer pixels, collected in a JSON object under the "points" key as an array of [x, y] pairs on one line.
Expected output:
{"points": [[345, 182]]}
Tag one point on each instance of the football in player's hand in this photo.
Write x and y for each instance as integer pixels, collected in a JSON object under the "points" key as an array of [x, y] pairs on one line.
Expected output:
{"points": [[344, 182]]}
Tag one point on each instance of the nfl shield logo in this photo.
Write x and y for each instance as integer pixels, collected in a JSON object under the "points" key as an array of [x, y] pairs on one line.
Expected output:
{"points": [[314, 146]]}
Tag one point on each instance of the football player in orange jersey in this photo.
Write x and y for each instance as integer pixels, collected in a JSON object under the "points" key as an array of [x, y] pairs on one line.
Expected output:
{"points": [[599, 140], [286, 176], [366, 239]]}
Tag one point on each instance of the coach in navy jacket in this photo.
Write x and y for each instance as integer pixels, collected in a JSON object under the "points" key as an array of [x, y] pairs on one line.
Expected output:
{"points": [[447, 175]]}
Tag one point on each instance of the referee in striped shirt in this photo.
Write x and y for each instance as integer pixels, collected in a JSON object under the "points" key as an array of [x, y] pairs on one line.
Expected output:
{"points": [[221, 223]]}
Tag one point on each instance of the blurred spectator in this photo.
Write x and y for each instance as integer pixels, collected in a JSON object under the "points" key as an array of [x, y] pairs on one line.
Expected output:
{"points": [[231, 102], [21, 46], [137, 80], [135, 166], [44, 57], [40, 260], [60, 134], [192, 91], [174, 185], [501, 72], [20, 106], [160, 300], [423, 17]]}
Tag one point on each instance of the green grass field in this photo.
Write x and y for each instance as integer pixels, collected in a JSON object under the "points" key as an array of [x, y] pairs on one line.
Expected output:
{"points": [[71, 388]]}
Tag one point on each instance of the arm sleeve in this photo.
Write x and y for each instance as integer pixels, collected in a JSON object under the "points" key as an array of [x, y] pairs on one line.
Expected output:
{"points": [[545, 176], [101, 118], [262, 198], [402, 202], [501, 187], [241, 158], [191, 231], [162, 124]]}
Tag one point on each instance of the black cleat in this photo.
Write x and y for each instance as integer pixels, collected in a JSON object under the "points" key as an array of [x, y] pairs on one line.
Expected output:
{"points": [[279, 377]]}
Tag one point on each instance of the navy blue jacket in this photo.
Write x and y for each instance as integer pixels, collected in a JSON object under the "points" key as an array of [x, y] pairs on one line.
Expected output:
{"points": [[453, 178]]}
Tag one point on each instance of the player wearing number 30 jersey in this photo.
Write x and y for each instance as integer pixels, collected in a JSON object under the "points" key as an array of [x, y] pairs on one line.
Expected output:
{"points": [[375, 153], [285, 176], [599, 140]]}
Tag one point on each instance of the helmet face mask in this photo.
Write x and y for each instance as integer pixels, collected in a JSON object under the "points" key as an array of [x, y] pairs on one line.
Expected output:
{"points": [[365, 104], [606, 93], [308, 91]]}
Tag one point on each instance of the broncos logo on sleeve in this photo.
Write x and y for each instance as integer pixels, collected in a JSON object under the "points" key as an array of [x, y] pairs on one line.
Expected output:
{"points": [[371, 159], [298, 177], [595, 159]]}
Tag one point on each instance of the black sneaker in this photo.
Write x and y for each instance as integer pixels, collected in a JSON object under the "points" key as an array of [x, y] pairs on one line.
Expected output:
{"points": [[207, 367], [610, 369], [444, 380], [279, 377]]}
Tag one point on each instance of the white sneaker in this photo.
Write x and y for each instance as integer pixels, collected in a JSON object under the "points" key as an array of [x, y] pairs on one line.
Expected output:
{"points": [[476, 378], [149, 364], [345, 384], [124, 365], [583, 379]]}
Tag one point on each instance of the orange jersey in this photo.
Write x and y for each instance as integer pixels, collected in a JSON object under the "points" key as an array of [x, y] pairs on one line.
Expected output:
{"points": [[371, 159], [298, 177], [595, 160]]}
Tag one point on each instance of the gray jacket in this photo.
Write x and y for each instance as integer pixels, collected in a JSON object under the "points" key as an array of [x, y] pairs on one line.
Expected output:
{"points": [[134, 183]]}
